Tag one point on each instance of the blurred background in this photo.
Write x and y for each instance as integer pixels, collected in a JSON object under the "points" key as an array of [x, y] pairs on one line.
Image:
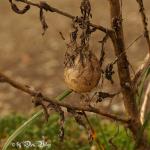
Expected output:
{"points": [[36, 60]]}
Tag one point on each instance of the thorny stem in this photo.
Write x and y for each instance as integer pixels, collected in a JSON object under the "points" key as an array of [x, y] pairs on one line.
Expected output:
{"points": [[28, 90]]}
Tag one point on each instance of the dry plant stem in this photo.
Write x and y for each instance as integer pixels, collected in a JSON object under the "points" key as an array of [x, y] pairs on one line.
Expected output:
{"points": [[144, 104], [144, 21], [47, 7], [124, 74], [147, 62], [146, 33], [123, 64], [28, 90]]}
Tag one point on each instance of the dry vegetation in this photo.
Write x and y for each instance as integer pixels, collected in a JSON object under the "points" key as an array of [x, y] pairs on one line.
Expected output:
{"points": [[29, 57], [36, 60]]}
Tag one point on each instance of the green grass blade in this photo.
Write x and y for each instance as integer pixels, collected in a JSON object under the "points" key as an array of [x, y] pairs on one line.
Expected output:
{"points": [[30, 120]]}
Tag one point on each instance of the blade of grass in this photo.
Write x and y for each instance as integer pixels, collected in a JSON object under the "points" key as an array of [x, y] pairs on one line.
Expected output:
{"points": [[141, 86], [31, 119]]}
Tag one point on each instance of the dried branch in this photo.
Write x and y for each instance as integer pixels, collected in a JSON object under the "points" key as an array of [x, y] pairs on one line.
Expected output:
{"points": [[102, 54], [47, 7], [123, 68], [26, 89], [124, 74], [144, 20]]}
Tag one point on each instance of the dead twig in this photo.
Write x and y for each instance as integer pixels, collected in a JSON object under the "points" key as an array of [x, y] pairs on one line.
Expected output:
{"points": [[144, 21], [102, 55], [47, 7], [26, 89]]}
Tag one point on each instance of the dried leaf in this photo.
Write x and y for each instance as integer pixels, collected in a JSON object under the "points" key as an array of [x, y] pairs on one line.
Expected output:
{"points": [[78, 117], [91, 136], [61, 123], [109, 72], [45, 112], [37, 100], [17, 10], [103, 95], [85, 8], [58, 109], [43, 22]]}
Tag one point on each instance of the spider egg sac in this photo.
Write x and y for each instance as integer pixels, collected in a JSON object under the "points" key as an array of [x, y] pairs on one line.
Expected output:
{"points": [[84, 74]]}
